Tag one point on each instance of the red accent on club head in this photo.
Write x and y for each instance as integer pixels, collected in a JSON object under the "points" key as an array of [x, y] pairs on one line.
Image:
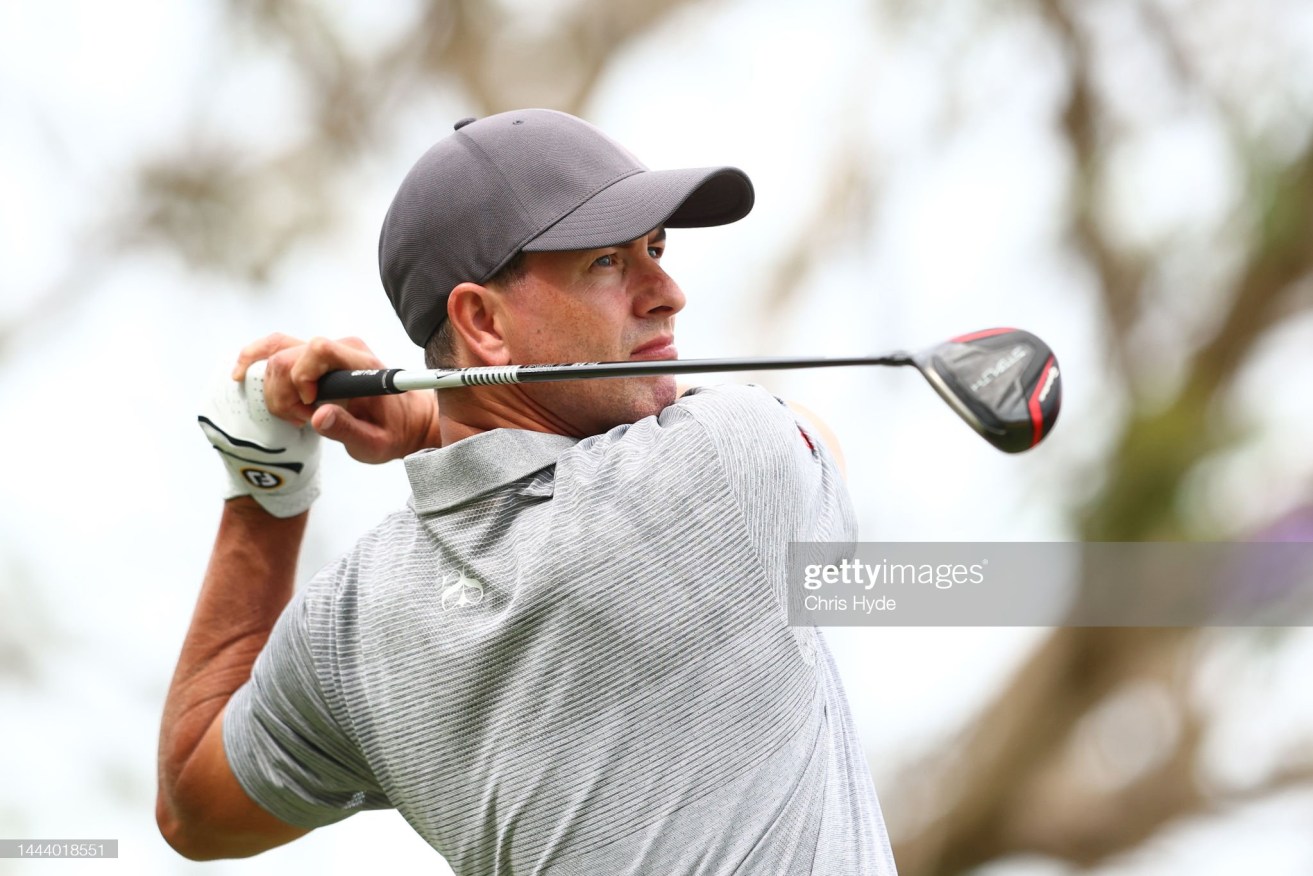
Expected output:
{"points": [[1032, 404]]}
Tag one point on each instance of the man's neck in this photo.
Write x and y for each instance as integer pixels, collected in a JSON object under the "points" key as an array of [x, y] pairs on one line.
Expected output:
{"points": [[466, 412]]}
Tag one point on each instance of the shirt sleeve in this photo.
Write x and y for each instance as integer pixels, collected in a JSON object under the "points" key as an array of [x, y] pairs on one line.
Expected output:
{"points": [[787, 483], [283, 743]]}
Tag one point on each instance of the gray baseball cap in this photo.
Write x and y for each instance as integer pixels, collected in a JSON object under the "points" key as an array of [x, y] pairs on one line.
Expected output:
{"points": [[536, 180]]}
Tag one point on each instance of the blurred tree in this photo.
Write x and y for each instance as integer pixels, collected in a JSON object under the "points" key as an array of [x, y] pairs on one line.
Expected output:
{"points": [[225, 210], [1012, 783]]}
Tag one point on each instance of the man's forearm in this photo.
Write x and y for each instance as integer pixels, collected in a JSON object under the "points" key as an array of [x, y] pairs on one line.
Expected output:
{"points": [[251, 577]]}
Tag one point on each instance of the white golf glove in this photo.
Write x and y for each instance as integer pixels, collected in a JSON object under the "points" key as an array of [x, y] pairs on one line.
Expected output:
{"points": [[268, 459]]}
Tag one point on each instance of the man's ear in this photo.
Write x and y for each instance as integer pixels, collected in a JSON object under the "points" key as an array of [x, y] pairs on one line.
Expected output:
{"points": [[476, 314]]}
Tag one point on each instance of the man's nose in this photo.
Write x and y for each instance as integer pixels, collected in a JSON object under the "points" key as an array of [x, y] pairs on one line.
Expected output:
{"points": [[658, 294]]}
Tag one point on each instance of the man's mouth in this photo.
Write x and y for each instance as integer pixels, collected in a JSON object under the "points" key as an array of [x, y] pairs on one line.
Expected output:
{"points": [[660, 348]]}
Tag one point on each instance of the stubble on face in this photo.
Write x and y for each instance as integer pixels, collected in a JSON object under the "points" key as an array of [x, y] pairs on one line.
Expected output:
{"points": [[610, 304]]}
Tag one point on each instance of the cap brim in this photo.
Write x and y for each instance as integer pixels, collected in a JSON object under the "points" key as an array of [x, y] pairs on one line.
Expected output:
{"points": [[631, 207]]}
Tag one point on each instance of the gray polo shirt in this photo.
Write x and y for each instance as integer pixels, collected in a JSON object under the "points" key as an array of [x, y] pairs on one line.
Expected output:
{"points": [[572, 657]]}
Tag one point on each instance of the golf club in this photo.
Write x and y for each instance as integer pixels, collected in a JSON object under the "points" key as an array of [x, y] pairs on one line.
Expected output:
{"points": [[1003, 382]]}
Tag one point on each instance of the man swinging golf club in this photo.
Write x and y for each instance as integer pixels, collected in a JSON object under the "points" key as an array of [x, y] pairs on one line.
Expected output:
{"points": [[568, 653]]}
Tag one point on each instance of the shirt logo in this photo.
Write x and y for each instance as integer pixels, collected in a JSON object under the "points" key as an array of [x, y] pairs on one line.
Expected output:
{"points": [[460, 590]]}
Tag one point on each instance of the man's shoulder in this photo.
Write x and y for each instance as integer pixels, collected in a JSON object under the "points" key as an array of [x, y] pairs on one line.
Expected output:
{"points": [[373, 549], [746, 418], [729, 395], [714, 440], [735, 406], [690, 429]]}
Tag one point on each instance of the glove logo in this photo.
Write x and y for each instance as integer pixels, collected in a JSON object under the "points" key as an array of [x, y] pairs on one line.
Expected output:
{"points": [[262, 479], [458, 591], [273, 461]]}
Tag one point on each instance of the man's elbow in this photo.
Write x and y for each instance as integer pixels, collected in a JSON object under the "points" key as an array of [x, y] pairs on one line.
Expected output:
{"points": [[176, 833], [193, 838], [203, 813]]}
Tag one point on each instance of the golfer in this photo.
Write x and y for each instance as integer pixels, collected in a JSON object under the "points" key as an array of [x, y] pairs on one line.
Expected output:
{"points": [[568, 653]]}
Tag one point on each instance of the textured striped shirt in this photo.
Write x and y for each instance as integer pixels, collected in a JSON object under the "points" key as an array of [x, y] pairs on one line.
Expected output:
{"points": [[572, 657]]}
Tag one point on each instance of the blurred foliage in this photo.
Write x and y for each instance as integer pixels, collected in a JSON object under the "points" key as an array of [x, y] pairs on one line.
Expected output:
{"points": [[24, 622], [1010, 784]]}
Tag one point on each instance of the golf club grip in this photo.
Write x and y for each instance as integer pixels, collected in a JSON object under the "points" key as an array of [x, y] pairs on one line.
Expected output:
{"points": [[358, 384]]}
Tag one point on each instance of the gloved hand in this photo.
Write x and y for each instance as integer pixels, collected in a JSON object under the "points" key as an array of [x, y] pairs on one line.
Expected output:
{"points": [[268, 459]]}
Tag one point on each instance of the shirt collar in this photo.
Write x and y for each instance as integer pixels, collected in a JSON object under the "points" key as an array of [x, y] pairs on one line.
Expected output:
{"points": [[446, 477]]}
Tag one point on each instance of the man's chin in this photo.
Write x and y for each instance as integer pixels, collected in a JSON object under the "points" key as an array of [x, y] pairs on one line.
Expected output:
{"points": [[664, 395]]}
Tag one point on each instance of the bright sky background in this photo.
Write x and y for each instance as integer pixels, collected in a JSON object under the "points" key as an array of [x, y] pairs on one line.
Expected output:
{"points": [[111, 494]]}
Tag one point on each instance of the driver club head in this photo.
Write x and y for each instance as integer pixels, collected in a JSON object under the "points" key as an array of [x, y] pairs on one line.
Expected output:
{"points": [[1004, 382]]}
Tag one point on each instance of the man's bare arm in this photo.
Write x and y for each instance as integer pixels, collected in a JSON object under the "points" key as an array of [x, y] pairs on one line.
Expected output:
{"points": [[824, 432], [201, 809]]}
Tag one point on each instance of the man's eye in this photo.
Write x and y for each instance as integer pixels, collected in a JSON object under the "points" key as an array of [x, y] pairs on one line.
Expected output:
{"points": [[656, 251], [605, 261]]}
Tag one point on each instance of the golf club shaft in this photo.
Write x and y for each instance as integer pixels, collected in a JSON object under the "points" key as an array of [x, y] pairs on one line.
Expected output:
{"points": [[357, 384]]}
